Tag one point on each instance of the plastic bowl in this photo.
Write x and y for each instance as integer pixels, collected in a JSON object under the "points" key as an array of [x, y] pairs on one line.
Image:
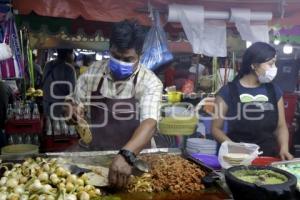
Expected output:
{"points": [[20, 149], [264, 160]]}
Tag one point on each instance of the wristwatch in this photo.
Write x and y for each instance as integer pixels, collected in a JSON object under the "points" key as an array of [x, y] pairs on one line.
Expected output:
{"points": [[129, 156]]}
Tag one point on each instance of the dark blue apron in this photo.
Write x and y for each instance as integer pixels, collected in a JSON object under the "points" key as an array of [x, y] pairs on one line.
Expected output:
{"points": [[261, 129]]}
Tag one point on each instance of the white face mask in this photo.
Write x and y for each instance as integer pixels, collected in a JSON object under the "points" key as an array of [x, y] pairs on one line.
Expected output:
{"points": [[268, 76]]}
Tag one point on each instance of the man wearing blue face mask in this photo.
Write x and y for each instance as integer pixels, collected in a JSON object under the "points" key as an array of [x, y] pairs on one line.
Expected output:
{"points": [[122, 99]]}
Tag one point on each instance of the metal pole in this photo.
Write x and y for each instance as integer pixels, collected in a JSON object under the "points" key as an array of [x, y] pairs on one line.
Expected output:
{"points": [[197, 73]]}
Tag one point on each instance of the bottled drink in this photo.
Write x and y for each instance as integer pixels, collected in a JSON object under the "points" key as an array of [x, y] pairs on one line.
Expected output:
{"points": [[36, 140], [15, 106], [27, 139], [19, 139], [72, 130], [56, 127], [26, 112], [10, 112], [10, 140], [19, 113], [35, 112], [48, 126], [64, 127]]}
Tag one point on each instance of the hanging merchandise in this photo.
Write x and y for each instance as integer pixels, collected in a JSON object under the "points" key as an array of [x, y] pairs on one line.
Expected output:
{"points": [[214, 72], [30, 66], [13, 66], [225, 73], [155, 49]]}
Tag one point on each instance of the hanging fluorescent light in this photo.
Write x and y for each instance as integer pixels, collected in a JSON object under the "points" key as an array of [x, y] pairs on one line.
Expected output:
{"points": [[287, 48], [248, 44], [276, 42], [98, 56], [106, 56], [87, 52], [55, 54]]}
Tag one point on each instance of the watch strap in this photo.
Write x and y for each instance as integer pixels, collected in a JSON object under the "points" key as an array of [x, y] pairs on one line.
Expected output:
{"points": [[129, 156]]}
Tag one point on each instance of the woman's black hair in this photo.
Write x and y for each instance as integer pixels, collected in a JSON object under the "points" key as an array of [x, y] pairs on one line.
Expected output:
{"points": [[127, 34], [257, 53]]}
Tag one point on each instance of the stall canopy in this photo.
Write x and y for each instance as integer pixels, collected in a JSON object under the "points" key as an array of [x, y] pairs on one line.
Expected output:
{"points": [[286, 13]]}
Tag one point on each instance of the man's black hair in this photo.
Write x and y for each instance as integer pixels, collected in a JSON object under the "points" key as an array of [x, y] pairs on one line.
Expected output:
{"points": [[127, 34], [62, 54], [34, 57], [87, 59]]}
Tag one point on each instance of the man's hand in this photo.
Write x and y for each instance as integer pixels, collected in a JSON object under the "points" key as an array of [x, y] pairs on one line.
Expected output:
{"points": [[119, 172], [72, 111]]}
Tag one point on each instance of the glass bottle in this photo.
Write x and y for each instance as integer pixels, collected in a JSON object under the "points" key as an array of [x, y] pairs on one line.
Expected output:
{"points": [[72, 130], [64, 127], [48, 127], [27, 139], [26, 112], [19, 139], [36, 140], [56, 127], [18, 111], [10, 140], [35, 112], [10, 112]]}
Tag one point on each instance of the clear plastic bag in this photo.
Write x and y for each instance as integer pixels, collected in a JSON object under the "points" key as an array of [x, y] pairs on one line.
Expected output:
{"points": [[231, 154], [155, 49], [5, 51]]}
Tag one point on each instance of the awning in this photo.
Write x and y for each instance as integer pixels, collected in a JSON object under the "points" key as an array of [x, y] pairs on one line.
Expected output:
{"points": [[54, 25], [117, 10]]}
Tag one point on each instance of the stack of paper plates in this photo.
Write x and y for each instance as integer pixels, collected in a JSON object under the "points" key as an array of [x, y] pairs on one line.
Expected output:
{"points": [[204, 146]]}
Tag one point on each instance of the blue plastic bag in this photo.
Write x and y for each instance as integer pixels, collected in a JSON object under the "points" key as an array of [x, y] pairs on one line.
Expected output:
{"points": [[155, 49]]}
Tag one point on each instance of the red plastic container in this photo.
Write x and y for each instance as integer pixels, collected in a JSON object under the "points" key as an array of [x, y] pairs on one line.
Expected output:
{"points": [[57, 143], [24, 126], [264, 160]]}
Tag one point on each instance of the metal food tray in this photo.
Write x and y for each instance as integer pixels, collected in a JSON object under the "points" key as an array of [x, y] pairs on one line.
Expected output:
{"points": [[104, 158], [288, 162]]}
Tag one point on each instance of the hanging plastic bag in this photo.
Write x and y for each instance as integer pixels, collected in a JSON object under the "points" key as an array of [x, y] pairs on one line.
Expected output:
{"points": [[5, 51], [12, 66], [155, 49], [232, 154]]}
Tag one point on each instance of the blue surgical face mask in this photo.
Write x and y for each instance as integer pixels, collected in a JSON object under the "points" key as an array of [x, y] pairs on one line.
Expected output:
{"points": [[119, 69]]}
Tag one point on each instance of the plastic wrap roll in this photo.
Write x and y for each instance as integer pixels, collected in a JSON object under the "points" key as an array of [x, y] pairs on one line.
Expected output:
{"points": [[174, 13], [176, 9]]}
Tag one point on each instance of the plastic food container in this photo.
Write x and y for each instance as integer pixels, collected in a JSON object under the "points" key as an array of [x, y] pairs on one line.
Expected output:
{"points": [[209, 160], [177, 126], [174, 96], [264, 160]]}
